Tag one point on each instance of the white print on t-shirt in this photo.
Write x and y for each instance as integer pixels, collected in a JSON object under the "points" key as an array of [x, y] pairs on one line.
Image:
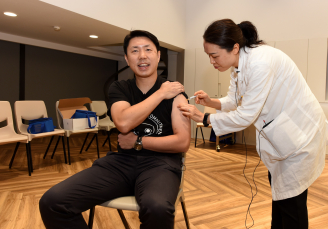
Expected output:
{"points": [[150, 129], [159, 125]]}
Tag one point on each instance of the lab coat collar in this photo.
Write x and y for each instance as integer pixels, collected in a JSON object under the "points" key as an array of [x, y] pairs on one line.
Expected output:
{"points": [[243, 54], [242, 59]]}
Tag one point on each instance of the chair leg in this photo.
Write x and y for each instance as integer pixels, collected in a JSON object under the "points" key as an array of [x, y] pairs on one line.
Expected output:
{"points": [[91, 217], [105, 141], [64, 149], [90, 142], [86, 137], [96, 135], [12, 159], [28, 159], [69, 154], [196, 136], [108, 136], [30, 152], [53, 153], [217, 142], [202, 134], [126, 225], [185, 214], [45, 154]]}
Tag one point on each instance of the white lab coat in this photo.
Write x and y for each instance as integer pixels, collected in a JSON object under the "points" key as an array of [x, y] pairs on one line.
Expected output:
{"points": [[271, 87]]}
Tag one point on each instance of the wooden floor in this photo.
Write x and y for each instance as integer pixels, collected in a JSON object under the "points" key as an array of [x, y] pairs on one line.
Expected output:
{"points": [[217, 194]]}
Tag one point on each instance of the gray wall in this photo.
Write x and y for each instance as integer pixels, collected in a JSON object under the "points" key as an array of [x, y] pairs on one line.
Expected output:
{"points": [[51, 75], [180, 68], [9, 71]]}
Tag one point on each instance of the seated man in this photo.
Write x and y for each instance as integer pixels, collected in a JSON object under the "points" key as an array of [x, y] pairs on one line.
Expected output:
{"points": [[148, 162]]}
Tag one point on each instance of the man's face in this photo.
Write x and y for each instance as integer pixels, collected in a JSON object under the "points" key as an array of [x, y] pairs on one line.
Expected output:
{"points": [[142, 57]]}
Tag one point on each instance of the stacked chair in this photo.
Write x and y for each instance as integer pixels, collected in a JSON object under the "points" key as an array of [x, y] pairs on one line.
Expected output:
{"points": [[68, 133], [218, 138], [28, 110], [8, 134], [105, 123]]}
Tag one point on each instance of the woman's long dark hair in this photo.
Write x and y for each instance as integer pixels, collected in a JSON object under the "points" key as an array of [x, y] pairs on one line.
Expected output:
{"points": [[225, 33]]}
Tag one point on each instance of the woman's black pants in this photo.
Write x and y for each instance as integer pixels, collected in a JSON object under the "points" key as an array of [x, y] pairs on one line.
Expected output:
{"points": [[154, 180], [290, 213]]}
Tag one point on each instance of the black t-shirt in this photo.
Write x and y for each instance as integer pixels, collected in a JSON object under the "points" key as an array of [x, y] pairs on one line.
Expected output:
{"points": [[157, 124]]}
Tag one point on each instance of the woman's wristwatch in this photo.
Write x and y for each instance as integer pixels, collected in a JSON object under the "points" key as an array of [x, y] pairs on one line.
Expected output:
{"points": [[205, 119]]}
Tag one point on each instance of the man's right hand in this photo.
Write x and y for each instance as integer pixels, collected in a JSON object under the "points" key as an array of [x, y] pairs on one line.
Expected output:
{"points": [[202, 98], [126, 141], [170, 89]]}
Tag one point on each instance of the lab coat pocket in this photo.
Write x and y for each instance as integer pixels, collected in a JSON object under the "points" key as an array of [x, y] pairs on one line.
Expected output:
{"points": [[284, 135]]}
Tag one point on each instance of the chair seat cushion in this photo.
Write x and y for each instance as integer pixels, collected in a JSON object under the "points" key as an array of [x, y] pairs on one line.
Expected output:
{"points": [[200, 124], [123, 203], [41, 135], [106, 124], [70, 132], [6, 139]]}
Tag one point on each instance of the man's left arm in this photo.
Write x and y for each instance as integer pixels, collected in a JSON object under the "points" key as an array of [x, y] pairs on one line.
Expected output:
{"points": [[176, 143]]}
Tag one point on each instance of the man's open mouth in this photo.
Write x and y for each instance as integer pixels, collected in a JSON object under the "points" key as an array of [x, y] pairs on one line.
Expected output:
{"points": [[143, 66]]}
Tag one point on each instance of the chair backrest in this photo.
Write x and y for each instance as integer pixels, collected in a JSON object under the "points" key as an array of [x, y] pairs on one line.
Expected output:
{"points": [[6, 114], [99, 107], [28, 110], [209, 110], [59, 117]]}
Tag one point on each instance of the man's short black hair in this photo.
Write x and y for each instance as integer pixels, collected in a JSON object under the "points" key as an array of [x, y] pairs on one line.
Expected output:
{"points": [[140, 33]]}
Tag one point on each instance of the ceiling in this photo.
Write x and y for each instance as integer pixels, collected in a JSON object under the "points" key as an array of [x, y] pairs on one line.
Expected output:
{"points": [[37, 19]]}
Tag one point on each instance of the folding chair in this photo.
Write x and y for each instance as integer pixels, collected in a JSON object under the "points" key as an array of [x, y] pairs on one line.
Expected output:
{"points": [[105, 123], [8, 134], [68, 133], [218, 138], [34, 109], [130, 203]]}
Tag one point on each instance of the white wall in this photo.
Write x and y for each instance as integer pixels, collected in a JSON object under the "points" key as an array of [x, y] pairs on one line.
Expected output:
{"points": [[165, 19], [277, 20]]}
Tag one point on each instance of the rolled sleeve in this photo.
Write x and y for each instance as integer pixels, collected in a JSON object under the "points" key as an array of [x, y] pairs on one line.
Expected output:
{"points": [[227, 105]]}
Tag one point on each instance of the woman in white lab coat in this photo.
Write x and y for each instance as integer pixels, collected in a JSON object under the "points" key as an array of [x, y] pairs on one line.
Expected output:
{"points": [[267, 90]]}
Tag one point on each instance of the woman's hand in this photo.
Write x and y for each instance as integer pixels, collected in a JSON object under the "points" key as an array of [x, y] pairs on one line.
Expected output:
{"points": [[191, 111], [202, 98]]}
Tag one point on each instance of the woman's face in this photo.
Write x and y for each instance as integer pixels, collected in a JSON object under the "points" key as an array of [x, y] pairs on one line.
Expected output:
{"points": [[220, 58]]}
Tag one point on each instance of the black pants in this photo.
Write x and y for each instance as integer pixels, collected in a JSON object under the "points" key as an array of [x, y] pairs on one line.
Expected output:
{"points": [[290, 213], [154, 180]]}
